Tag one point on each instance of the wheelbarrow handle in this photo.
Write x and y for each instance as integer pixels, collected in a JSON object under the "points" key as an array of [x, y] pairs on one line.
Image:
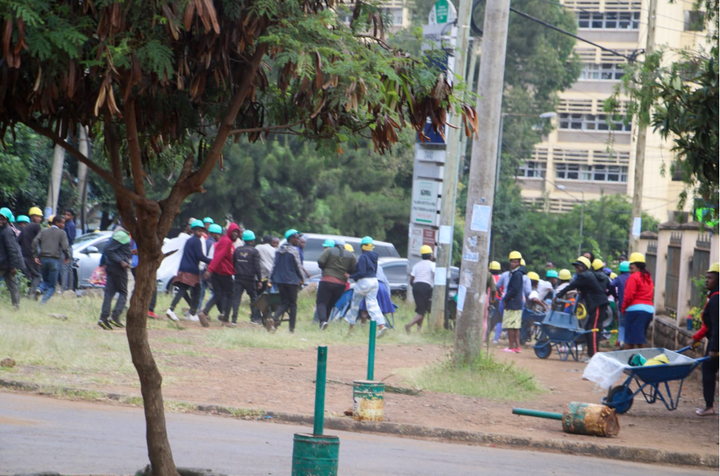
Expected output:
{"points": [[684, 349]]}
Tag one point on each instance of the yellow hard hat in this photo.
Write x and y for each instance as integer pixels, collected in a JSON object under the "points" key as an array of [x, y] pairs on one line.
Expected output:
{"points": [[425, 250], [637, 258], [583, 261], [515, 255], [565, 275], [533, 276], [661, 359], [35, 211], [581, 311], [597, 264], [522, 262], [349, 247], [494, 266], [715, 268], [51, 218], [613, 275]]}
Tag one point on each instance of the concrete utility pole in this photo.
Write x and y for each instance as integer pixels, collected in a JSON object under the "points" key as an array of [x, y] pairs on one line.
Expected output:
{"points": [[450, 178], [478, 218], [55, 180], [641, 142], [83, 177]]}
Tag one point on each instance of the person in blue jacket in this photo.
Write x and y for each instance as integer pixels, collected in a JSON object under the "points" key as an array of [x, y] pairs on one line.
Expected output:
{"points": [[188, 277], [366, 287], [513, 302], [116, 258]]}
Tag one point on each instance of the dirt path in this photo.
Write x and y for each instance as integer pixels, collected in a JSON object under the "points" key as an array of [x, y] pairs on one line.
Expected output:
{"points": [[282, 380]]}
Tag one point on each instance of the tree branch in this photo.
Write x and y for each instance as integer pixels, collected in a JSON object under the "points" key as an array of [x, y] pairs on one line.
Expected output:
{"points": [[266, 129]]}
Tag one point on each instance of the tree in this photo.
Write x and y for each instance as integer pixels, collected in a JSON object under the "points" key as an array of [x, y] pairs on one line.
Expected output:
{"points": [[164, 85]]}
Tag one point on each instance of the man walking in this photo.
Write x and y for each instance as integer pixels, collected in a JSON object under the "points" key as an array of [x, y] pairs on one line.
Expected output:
{"points": [[67, 277], [221, 271], [366, 287], [267, 257], [117, 259], [188, 276], [49, 247], [336, 264], [248, 277], [287, 275], [10, 257], [513, 303], [29, 232]]}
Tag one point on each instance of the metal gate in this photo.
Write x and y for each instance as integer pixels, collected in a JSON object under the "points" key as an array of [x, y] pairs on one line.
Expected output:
{"points": [[651, 258], [672, 276], [700, 264]]}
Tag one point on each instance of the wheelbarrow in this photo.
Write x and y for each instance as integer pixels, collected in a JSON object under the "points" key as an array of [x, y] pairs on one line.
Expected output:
{"points": [[562, 331], [653, 381]]}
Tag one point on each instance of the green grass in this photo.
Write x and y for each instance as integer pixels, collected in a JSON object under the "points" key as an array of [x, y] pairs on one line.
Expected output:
{"points": [[485, 378]]}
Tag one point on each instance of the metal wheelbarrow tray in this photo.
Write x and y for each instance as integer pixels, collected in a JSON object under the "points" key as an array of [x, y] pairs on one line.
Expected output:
{"points": [[653, 381], [562, 331]]}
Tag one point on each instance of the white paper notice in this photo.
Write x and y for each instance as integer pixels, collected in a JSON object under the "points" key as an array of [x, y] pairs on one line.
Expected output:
{"points": [[446, 235], [637, 227], [461, 297], [480, 218], [440, 276]]}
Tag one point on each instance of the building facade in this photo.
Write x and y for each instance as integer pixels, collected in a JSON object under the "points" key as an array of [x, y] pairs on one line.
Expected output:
{"points": [[585, 156]]}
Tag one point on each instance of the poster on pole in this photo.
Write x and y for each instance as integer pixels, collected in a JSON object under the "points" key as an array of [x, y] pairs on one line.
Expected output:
{"points": [[637, 227], [424, 202], [480, 218]]}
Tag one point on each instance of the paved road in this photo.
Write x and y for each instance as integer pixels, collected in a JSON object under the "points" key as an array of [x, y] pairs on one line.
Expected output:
{"points": [[44, 434]]}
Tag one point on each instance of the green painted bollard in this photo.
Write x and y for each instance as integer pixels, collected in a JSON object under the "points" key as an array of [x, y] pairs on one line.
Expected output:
{"points": [[316, 454], [581, 419], [368, 395]]}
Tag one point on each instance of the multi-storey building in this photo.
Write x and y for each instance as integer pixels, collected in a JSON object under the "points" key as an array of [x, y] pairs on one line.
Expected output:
{"points": [[585, 156]]}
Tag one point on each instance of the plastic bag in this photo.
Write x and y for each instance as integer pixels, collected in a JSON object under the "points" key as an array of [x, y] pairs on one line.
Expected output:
{"points": [[98, 277], [603, 370]]}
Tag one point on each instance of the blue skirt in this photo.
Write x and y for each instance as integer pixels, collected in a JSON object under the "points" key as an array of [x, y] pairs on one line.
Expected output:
{"points": [[636, 323]]}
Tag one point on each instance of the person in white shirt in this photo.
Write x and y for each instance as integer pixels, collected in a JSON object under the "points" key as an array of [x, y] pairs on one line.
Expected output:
{"points": [[267, 252], [534, 300], [422, 279]]}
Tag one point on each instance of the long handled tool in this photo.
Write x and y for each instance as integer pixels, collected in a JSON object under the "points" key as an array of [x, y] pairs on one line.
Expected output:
{"points": [[581, 419]]}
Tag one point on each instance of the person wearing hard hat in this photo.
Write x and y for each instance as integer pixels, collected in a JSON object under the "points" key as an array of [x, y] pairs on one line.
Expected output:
{"points": [[513, 302], [637, 302], [67, 277], [267, 258], [336, 264], [22, 221], [287, 275], [248, 277], [594, 298], [50, 248], [709, 330], [10, 257], [29, 232], [618, 283], [221, 271], [188, 275], [117, 259], [207, 221], [366, 287], [535, 301], [422, 279], [496, 318]]}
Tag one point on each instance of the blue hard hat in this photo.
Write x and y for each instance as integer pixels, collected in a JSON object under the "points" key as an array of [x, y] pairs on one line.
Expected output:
{"points": [[291, 232], [208, 220], [367, 240], [4, 211], [248, 235], [551, 273], [214, 228], [197, 224], [23, 219], [328, 243], [625, 267]]}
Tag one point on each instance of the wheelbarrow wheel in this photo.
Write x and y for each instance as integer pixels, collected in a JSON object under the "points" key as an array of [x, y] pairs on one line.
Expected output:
{"points": [[620, 398], [543, 349]]}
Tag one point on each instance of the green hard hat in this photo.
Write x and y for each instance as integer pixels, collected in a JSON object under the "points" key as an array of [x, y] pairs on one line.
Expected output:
{"points": [[291, 232], [197, 224], [367, 240], [23, 219], [551, 273], [328, 243], [208, 220], [6, 213], [214, 228], [625, 267], [248, 235]]}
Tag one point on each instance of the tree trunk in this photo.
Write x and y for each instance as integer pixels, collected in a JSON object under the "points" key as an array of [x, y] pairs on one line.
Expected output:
{"points": [[82, 174], [149, 257]]}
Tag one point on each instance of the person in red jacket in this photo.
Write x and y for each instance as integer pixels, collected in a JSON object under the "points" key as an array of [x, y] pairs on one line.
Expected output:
{"points": [[221, 271], [637, 303]]}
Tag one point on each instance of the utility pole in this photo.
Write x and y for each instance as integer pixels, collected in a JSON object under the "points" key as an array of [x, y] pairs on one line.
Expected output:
{"points": [[450, 178], [478, 218], [641, 142]]}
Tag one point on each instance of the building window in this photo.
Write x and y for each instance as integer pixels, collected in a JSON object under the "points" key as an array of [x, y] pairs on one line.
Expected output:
{"points": [[532, 169], [609, 20], [591, 122], [694, 20], [591, 173], [602, 72], [397, 16]]}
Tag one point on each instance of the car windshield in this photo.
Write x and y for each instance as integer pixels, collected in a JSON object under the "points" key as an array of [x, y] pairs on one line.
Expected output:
{"points": [[85, 238], [396, 272], [313, 249]]}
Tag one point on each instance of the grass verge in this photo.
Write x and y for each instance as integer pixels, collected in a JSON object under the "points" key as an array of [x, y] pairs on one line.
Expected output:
{"points": [[484, 378]]}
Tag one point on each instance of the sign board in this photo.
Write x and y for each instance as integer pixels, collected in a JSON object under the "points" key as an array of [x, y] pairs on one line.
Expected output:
{"points": [[442, 12], [426, 154], [429, 237], [424, 202], [429, 170], [432, 137]]}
